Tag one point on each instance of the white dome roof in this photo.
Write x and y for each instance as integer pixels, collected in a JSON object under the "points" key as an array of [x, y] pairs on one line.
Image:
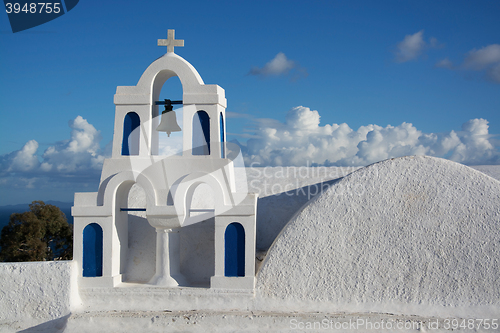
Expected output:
{"points": [[414, 235]]}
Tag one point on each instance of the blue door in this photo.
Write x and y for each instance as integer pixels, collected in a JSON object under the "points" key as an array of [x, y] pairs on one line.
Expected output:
{"points": [[92, 250], [234, 249]]}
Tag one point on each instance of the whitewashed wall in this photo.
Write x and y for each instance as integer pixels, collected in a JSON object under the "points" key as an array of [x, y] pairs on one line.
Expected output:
{"points": [[32, 293]]}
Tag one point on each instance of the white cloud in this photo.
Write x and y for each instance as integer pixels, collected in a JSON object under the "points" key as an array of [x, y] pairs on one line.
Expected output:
{"points": [[81, 152], [494, 73], [279, 65], [485, 60], [301, 140], [303, 118], [412, 46], [78, 158], [230, 114], [480, 59], [172, 145], [445, 63], [433, 42], [475, 145], [24, 159]]}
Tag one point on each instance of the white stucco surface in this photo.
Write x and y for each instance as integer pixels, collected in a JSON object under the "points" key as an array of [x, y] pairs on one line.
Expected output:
{"points": [[35, 292], [490, 170], [414, 235], [250, 321]]}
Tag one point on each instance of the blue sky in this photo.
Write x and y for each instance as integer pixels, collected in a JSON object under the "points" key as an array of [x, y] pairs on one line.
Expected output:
{"points": [[293, 71]]}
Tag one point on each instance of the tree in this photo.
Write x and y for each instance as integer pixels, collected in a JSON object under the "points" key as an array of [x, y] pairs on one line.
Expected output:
{"points": [[40, 234]]}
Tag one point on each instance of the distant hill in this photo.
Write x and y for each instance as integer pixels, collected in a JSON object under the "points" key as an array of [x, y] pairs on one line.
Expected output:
{"points": [[6, 211]]}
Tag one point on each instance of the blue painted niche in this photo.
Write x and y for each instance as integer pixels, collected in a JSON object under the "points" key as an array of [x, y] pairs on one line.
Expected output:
{"points": [[201, 136], [222, 152], [234, 250], [130, 143], [92, 250]]}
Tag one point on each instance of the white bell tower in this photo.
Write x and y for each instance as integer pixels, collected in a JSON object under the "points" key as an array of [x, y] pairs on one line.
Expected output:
{"points": [[170, 182]]}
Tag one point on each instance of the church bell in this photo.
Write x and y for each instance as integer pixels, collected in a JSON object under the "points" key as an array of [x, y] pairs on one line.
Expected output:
{"points": [[168, 122]]}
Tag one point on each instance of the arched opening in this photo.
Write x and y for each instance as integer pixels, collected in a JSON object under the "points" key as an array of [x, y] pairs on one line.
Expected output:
{"points": [[197, 250], [234, 250], [201, 133], [136, 236], [222, 146], [92, 250], [202, 200], [130, 143], [171, 145]]}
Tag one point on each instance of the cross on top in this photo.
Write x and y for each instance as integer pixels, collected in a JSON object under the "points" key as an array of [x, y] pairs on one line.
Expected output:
{"points": [[170, 42]]}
